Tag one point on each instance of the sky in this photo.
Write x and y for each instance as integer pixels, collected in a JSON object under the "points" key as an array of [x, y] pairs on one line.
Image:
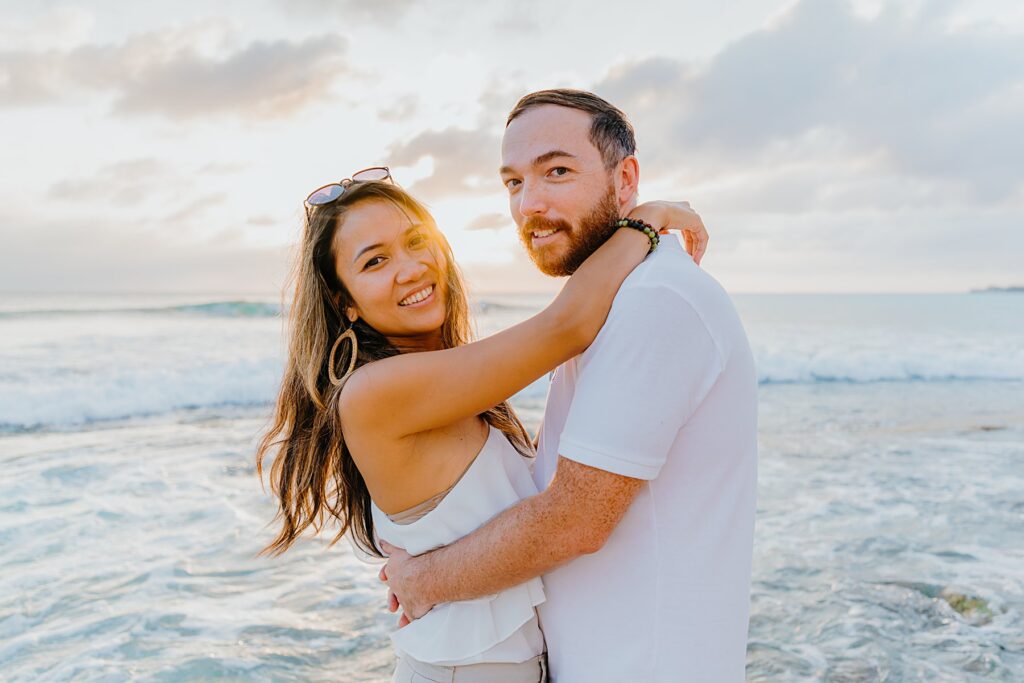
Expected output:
{"points": [[829, 146]]}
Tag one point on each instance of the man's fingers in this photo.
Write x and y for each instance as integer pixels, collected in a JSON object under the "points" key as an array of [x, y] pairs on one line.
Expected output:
{"points": [[392, 601], [403, 621], [383, 574], [387, 547]]}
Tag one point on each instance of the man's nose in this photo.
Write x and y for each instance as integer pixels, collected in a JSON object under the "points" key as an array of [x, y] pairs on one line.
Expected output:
{"points": [[532, 201]]}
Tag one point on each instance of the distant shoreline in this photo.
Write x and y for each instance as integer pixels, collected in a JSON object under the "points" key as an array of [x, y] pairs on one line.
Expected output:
{"points": [[1016, 289]]}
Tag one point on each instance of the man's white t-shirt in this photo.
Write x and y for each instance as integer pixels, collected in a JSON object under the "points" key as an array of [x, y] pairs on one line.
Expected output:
{"points": [[666, 393]]}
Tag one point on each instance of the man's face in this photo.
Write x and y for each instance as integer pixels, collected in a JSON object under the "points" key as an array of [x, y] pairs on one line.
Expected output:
{"points": [[561, 196]]}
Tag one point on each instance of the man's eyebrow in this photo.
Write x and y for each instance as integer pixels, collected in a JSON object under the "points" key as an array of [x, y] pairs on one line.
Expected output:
{"points": [[546, 156], [378, 245], [553, 154]]}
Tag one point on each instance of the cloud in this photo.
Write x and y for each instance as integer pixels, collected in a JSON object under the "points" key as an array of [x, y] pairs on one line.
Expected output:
{"points": [[148, 189], [498, 100], [89, 253], [263, 80], [263, 220], [923, 100], [171, 74], [402, 109], [195, 208], [465, 161], [55, 28], [490, 221], [127, 183], [517, 23], [863, 249], [372, 11], [221, 168], [517, 275]]}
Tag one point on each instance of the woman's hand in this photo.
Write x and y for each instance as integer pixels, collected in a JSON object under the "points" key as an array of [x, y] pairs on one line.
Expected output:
{"points": [[666, 216]]}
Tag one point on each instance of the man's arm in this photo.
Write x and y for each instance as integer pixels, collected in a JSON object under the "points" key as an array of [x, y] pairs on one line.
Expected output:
{"points": [[574, 516], [639, 383]]}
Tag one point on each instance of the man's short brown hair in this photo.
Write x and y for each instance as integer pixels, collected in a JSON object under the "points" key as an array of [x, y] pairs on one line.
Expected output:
{"points": [[610, 130]]}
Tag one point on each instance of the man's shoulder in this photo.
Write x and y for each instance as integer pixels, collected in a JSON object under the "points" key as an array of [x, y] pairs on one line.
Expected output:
{"points": [[668, 296], [669, 277]]}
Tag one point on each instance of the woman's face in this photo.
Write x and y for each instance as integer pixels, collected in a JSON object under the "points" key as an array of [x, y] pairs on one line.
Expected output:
{"points": [[394, 269]]}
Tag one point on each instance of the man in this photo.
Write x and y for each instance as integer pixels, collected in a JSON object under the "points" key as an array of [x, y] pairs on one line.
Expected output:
{"points": [[646, 460]]}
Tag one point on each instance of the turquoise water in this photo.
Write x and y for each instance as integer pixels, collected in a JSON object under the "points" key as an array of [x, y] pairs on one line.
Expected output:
{"points": [[891, 482]]}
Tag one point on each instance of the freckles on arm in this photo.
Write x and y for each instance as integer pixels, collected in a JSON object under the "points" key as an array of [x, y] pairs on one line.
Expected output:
{"points": [[573, 517]]}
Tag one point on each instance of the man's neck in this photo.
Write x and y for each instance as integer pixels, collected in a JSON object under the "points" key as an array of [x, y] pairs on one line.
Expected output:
{"points": [[630, 204]]}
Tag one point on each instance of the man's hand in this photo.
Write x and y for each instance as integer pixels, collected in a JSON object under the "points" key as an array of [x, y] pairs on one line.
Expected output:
{"points": [[400, 575], [665, 215]]}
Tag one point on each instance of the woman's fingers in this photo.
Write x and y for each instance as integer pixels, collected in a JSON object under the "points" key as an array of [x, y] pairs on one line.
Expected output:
{"points": [[680, 216], [696, 236], [701, 241]]}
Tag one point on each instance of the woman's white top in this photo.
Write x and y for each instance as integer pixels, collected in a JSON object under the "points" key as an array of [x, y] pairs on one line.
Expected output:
{"points": [[496, 628]]}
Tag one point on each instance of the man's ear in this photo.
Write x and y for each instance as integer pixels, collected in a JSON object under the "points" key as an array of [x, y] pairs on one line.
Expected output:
{"points": [[627, 181]]}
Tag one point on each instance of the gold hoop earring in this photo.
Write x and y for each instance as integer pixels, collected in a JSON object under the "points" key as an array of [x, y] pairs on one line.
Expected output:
{"points": [[349, 334]]}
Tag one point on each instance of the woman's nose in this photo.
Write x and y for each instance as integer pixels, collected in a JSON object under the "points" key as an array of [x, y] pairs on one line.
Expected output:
{"points": [[411, 269]]}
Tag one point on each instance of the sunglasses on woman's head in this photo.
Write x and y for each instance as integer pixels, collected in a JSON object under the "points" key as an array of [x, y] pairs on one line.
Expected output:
{"points": [[332, 191]]}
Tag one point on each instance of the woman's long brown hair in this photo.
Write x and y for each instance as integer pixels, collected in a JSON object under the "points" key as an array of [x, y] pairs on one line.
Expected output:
{"points": [[313, 474]]}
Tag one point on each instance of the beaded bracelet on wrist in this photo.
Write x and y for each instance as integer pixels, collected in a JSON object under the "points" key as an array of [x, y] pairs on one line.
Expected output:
{"points": [[645, 228]]}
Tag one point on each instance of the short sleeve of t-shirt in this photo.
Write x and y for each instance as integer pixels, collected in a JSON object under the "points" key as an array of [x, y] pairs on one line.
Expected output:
{"points": [[648, 370]]}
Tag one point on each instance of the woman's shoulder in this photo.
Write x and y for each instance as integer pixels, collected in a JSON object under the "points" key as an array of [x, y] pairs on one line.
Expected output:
{"points": [[359, 402]]}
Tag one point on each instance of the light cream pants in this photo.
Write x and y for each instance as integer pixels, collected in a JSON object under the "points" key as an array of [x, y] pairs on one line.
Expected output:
{"points": [[531, 671]]}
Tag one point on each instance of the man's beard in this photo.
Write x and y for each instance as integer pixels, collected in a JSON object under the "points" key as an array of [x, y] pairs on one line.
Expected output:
{"points": [[593, 230]]}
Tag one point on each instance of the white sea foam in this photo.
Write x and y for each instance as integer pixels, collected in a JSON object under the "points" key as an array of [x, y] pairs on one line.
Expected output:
{"points": [[75, 399], [59, 369], [68, 397], [73, 369], [925, 360]]}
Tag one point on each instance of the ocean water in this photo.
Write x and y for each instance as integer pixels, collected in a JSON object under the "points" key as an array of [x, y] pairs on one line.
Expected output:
{"points": [[890, 532]]}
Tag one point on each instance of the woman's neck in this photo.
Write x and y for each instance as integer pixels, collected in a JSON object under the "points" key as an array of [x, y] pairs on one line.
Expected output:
{"points": [[414, 344]]}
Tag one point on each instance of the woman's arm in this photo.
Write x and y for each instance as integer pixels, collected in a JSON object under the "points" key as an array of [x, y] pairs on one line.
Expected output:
{"points": [[415, 392]]}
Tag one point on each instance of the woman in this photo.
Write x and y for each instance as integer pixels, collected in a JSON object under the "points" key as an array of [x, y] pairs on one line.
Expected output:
{"points": [[392, 424]]}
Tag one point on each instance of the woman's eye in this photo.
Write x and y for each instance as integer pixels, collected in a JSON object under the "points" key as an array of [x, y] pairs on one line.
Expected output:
{"points": [[375, 261], [417, 240]]}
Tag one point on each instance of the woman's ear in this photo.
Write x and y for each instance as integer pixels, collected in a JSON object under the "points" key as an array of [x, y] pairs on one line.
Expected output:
{"points": [[352, 314]]}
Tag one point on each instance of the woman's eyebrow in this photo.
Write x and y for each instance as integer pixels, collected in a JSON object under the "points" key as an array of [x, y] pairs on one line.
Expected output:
{"points": [[378, 245]]}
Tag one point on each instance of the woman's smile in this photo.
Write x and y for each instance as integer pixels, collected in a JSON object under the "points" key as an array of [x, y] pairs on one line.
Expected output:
{"points": [[421, 297]]}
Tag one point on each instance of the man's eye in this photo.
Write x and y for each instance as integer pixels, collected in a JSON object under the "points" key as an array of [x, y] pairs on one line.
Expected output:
{"points": [[558, 171], [512, 183]]}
